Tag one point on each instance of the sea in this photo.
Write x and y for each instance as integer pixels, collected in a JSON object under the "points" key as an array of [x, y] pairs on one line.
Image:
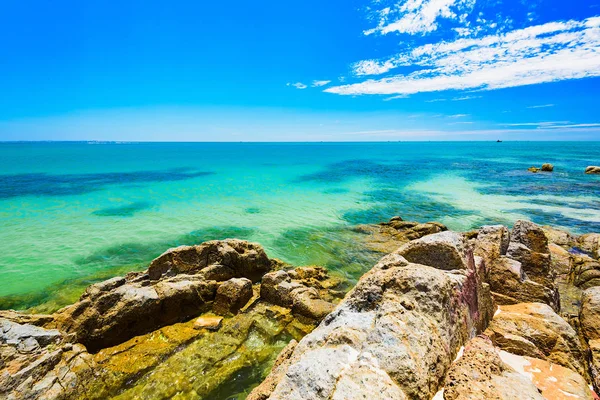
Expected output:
{"points": [[74, 213]]}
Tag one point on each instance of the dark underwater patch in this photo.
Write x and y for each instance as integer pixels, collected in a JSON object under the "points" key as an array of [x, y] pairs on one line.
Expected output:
{"points": [[127, 210], [252, 210], [73, 184]]}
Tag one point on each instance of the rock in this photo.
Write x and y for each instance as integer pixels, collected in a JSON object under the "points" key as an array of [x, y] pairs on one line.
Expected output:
{"points": [[445, 250], [533, 169], [559, 237], [481, 374], [590, 313], [592, 170], [492, 242], [399, 316], [179, 285], [387, 237], [547, 167], [585, 271], [484, 372], [234, 258], [303, 289], [212, 323], [590, 243], [535, 330], [39, 363], [232, 295]]}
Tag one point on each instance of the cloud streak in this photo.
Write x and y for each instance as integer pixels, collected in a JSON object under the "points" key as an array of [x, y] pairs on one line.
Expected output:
{"points": [[537, 54]]}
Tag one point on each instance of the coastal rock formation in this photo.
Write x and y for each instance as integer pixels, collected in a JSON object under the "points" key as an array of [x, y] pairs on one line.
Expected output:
{"points": [[535, 330], [592, 170], [399, 315], [533, 169], [386, 237], [590, 327], [232, 295]]}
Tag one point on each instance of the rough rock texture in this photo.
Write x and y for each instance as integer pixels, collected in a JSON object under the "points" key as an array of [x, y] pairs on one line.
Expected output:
{"points": [[590, 327], [39, 363], [180, 284], [388, 236], [305, 290], [535, 330], [590, 243], [592, 170], [232, 295], [399, 316], [216, 260], [485, 372]]}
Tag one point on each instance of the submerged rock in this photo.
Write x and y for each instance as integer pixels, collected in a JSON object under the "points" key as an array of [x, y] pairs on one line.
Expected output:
{"points": [[533, 169], [547, 167]]}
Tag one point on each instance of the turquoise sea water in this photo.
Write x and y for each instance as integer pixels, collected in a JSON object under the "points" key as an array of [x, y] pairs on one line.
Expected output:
{"points": [[75, 213]]}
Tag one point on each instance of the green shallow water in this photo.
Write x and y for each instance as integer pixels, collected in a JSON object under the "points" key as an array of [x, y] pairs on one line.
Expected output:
{"points": [[75, 213]]}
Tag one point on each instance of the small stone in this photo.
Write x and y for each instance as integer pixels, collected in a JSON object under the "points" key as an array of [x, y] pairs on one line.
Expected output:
{"points": [[232, 295], [210, 322], [547, 167], [533, 169]]}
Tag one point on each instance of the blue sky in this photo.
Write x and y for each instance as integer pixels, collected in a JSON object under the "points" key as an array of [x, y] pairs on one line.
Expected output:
{"points": [[344, 70]]}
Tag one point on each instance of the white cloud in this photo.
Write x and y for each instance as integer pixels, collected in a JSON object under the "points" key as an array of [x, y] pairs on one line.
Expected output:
{"points": [[542, 106], [298, 85], [550, 52], [400, 96], [320, 83], [463, 98], [458, 116], [419, 16]]}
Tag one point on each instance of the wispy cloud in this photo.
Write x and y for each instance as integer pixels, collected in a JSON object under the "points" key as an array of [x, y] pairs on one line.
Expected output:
{"points": [[320, 83], [298, 85], [549, 52], [458, 116], [418, 16], [553, 125], [463, 98], [542, 106], [400, 96]]}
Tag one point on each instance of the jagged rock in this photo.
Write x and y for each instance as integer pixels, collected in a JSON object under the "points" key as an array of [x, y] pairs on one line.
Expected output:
{"points": [[386, 237], [585, 271], [491, 242], [560, 237], [39, 363], [483, 372], [590, 313], [232, 296], [299, 290], [399, 316], [529, 246], [590, 243], [224, 259], [547, 167], [535, 330], [592, 170], [445, 250]]}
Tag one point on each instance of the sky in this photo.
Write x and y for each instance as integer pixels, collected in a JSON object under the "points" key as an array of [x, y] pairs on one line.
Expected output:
{"points": [[335, 70]]}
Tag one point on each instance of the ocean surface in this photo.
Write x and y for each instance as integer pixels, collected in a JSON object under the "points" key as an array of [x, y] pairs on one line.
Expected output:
{"points": [[75, 213]]}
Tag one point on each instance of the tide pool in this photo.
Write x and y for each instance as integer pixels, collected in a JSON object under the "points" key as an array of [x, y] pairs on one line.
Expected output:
{"points": [[75, 213]]}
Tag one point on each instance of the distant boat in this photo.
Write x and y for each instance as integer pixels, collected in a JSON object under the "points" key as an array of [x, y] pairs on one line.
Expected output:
{"points": [[498, 141]]}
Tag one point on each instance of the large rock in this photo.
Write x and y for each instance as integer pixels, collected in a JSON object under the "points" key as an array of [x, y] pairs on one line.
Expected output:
{"points": [[590, 243], [547, 167], [38, 363], [535, 330], [217, 260], [592, 170], [585, 271], [386, 237], [590, 328], [232, 295], [306, 290], [179, 285], [445, 250], [484, 372], [395, 334]]}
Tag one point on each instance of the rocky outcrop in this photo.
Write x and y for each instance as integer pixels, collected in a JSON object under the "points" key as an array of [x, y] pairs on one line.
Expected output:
{"points": [[400, 315], [232, 295], [592, 170], [590, 243], [535, 330], [485, 372], [590, 327], [39, 363], [386, 237]]}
